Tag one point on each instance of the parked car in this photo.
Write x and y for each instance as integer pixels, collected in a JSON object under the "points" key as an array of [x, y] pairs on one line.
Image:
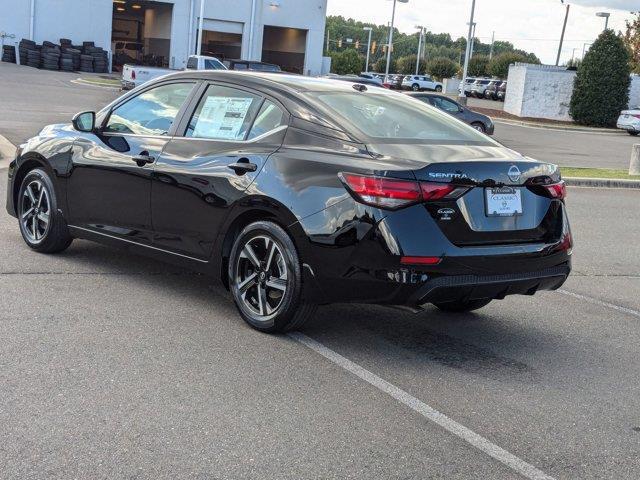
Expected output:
{"points": [[502, 91], [371, 76], [467, 85], [479, 86], [295, 191], [629, 120], [491, 92], [235, 64], [480, 122], [420, 82], [136, 75], [394, 82]]}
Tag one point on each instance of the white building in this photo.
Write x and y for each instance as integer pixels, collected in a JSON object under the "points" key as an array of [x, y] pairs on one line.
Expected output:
{"points": [[289, 33]]}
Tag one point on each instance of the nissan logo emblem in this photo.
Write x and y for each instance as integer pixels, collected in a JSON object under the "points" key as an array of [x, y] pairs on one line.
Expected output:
{"points": [[514, 173]]}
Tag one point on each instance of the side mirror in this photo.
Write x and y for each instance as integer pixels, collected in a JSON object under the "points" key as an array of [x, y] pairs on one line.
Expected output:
{"points": [[84, 121]]}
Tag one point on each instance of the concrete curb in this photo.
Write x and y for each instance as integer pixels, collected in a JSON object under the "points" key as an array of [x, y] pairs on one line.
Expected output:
{"points": [[601, 182], [542, 126], [7, 152]]}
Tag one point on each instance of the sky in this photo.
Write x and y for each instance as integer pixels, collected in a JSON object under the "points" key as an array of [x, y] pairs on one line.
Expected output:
{"points": [[533, 25]]}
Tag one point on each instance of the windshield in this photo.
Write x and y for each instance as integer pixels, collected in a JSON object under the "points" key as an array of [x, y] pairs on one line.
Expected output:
{"points": [[398, 118]]}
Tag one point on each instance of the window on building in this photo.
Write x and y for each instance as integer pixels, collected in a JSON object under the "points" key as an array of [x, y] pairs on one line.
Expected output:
{"points": [[150, 113]]}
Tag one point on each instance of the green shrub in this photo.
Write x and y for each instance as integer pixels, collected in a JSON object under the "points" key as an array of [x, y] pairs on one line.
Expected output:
{"points": [[407, 65], [347, 62], [499, 65], [478, 66], [601, 87], [442, 67]]}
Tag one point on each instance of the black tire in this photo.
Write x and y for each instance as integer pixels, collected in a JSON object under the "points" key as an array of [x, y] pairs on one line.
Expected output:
{"points": [[438, 88], [461, 307], [262, 241], [633, 134], [415, 87], [479, 126], [51, 236]]}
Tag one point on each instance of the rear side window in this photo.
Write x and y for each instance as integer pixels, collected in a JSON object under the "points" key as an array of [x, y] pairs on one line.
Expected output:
{"points": [[269, 118], [213, 65], [223, 113], [150, 113], [192, 63]]}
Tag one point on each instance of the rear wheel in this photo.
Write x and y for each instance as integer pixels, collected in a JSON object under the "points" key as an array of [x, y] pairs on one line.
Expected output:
{"points": [[438, 88], [265, 279], [479, 126], [415, 87], [41, 224], [463, 306]]}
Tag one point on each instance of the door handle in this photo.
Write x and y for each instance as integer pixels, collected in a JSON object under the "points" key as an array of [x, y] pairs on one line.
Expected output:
{"points": [[143, 159], [243, 166]]}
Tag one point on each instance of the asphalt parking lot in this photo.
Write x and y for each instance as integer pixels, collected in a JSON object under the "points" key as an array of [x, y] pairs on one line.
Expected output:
{"points": [[115, 366]]}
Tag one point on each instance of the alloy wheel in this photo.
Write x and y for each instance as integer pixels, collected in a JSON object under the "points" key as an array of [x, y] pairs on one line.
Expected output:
{"points": [[261, 276], [35, 211]]}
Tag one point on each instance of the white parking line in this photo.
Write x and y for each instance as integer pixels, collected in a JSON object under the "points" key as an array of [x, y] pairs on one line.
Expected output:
{"points": [[595, 301], [469, 436]]}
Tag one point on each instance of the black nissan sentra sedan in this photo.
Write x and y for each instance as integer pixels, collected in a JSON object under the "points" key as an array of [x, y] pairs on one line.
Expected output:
{"points": [[295, 192]]}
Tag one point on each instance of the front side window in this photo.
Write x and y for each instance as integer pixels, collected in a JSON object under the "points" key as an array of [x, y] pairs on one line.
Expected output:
{"points": [[396, 118], [223, 113], [150, 113], [446, 105], [269, 118]]}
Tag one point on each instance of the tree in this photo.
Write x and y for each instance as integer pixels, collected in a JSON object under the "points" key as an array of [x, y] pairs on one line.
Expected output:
{"points": [[601, 87], [499, 65], [632, 41], [381, 64], [407, 65], [478, 66], [346, 62], [441, 68]]}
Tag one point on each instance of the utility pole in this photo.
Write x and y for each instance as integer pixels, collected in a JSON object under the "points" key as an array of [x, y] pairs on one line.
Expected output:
{"points": [[462, 98], [493, 39], [473, 41], [564, 27], [366, 69], [389, 46], [328, 41], [419, 49]]}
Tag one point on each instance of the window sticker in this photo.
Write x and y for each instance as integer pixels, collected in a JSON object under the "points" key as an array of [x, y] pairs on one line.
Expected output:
{"points": [[223, 118]]}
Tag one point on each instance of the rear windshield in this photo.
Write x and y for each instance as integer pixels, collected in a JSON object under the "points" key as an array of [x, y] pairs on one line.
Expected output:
{"points": [[397, 118]]}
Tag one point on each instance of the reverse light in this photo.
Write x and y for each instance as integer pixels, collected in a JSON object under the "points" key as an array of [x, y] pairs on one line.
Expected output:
{"points": [[394, 193]]}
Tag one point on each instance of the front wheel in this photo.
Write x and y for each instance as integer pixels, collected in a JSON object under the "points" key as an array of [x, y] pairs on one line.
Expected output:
{"points": [[42, 226], [479, 127], [633, 134], [265, 278], [463, 306], [438, 88], [415, 87]]}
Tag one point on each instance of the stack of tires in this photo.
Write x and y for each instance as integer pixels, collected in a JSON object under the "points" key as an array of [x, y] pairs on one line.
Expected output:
{"points": [[69, 56], [33, 57], [9, 53], [50, 56], [23, 47], [99, 56], [86, 63]]}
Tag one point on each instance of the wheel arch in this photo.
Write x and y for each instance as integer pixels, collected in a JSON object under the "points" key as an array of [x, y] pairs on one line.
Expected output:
{"points": [[30, 162]]}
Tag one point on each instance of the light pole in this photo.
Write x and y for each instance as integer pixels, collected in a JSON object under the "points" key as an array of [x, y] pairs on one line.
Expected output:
{"points": [[606, 16], [493, 40], [389, 46], [473, 40], [584, 47], [462, 98], [369, 29], [200, 25], [564, 27], [419, 48]]}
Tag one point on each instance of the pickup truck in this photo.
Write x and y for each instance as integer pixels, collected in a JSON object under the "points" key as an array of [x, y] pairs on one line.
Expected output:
{"points": [[135, 75]]}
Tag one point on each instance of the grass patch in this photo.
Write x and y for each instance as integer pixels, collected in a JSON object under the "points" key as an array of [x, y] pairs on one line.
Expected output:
{"points": [[597, 173]]}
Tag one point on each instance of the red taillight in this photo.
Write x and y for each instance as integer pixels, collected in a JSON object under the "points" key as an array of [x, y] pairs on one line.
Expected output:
{"points": [[133, 75], [395, 193], [420, 260], [557, 190], [635, 115]]}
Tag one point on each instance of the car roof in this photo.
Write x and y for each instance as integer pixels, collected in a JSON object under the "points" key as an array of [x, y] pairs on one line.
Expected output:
{"points": [[282, 82]]}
